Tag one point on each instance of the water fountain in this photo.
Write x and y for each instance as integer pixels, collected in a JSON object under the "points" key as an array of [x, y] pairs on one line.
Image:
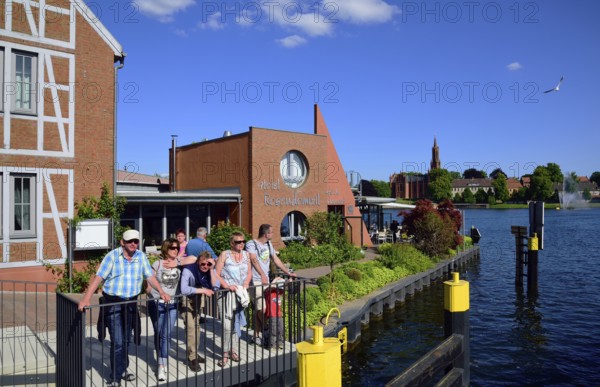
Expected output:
{"points": [[570, 197]]}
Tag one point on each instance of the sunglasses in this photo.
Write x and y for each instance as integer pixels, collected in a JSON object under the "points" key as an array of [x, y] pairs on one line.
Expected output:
{"points": [[173, 248], [204, 264], [136, 241], [239, 242]]}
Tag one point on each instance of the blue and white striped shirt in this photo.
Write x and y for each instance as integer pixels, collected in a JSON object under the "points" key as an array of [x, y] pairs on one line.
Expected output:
{"points": [[123, 278]]}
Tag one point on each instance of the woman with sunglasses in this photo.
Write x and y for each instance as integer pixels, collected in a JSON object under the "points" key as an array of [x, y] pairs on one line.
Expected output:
{"points": [[234, 274], [164, 313], [196, 280]]}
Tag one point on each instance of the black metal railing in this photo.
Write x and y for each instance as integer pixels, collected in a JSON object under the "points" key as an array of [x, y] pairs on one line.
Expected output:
{"points": [[27, 333], [83, 359]]}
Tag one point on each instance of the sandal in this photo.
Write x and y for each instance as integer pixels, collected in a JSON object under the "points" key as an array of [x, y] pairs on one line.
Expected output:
{"points": [[223, 361], [235, 357]]}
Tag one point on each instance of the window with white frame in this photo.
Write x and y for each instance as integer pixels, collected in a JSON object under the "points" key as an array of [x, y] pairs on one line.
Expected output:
{"points": [[23, 88], [293, 169], [292, 227], [22, 206], [1, 189], [2, 84]]}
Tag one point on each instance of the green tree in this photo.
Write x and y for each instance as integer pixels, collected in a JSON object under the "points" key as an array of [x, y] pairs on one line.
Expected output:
{"points": [[587, 195], [455, 175], [468, 196], [383, 188], [481, 196], [472, 173], [501, 187], [324, 228], [541, 187], [440, 185], [595, 177], [496, 172], [457, 198], [554, 173]]}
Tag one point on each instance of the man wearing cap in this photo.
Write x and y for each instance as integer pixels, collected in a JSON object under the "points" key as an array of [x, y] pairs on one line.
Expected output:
{"points": [[122, 270]]}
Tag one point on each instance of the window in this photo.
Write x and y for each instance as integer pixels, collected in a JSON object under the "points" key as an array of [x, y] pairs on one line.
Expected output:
{"points": [[22, 206], [1, 189], [3, 92], [292, 227], [24, 80], [293, 169]]}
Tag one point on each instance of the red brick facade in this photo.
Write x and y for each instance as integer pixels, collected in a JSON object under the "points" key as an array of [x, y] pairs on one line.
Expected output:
{"points": [[251, 161]]}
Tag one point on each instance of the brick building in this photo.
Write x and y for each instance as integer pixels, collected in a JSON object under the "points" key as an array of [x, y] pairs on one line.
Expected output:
{"points": [[57, 67], [414, 185], [282, 177]]}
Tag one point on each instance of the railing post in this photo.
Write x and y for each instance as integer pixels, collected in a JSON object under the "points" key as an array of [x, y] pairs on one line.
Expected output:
{"points": [[456, 319], [70, 343]]}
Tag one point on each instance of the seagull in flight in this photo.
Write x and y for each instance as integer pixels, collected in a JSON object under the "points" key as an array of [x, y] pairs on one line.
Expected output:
{"points": [[557, 86]]}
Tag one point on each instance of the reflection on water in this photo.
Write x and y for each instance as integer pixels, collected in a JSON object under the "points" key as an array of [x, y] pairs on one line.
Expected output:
{"points": [[516, 339]]}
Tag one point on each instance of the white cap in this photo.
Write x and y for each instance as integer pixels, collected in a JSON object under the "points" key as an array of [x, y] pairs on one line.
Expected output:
{"points": [[131, 234]]}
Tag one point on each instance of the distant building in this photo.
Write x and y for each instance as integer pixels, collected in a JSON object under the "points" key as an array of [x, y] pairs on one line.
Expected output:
{"points": [[513, 185], [460, 185], [414, 185]]}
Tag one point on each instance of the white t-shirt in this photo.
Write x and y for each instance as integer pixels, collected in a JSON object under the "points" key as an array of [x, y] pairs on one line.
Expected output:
{"points": [[263, 254]]}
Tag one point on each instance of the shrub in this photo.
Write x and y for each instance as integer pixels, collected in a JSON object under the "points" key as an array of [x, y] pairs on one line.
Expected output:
{"points": [[353, 274], [407, 257], [219, 236], [434, 235], [299, 255], [79, 279]]}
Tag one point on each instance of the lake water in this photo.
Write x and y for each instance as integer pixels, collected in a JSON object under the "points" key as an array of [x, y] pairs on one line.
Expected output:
{"points": [[516, 339]]}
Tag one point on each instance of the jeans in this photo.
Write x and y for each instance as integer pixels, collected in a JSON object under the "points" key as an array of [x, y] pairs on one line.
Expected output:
{"points": [[163, 316], [119, 319]]}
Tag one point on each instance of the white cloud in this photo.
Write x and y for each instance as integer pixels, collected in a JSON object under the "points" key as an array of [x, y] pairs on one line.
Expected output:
{"points": [[163, 10], [213, 22], [514, 66], [291, 41], [363, 11], [180, 32]]}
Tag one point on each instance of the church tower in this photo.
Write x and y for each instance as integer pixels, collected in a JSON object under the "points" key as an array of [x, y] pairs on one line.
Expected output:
{"points": [[435, 156]]}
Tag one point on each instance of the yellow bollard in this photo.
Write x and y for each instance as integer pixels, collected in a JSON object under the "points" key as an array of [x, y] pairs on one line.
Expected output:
{"points": [[456, 320], [320, 360]]}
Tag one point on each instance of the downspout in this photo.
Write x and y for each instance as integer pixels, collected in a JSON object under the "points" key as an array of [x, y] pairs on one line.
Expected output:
{"points": [[240, 211], [116, 165], [174, 163]]}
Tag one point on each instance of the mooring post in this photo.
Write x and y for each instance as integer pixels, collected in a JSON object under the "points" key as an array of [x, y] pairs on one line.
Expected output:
{"points": [[456, 319], [520, 233], [532, 265]]}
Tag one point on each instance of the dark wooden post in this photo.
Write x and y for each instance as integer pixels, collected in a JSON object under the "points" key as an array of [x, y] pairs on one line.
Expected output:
{"points": [[520, 232]]}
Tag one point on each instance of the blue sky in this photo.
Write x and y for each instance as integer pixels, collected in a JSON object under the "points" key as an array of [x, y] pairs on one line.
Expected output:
{"points": [[388, 77]]}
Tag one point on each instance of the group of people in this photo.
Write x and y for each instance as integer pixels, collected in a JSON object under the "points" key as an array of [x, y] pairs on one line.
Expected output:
{"points": [[189, 269]]}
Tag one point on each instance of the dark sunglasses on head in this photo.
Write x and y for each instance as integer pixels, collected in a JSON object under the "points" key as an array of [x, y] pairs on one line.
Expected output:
{"points": [[136, 241], [204, 264], [173, 248], [239, 242]]}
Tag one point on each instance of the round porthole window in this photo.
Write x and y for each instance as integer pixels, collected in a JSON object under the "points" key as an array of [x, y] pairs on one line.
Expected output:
{"points": [[293, 169]]}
